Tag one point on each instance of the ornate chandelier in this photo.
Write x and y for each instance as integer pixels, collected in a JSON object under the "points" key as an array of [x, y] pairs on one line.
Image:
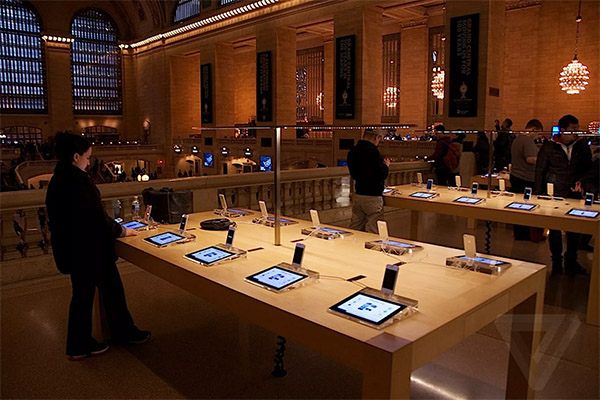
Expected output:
{"points": [[574, 77], [437, 83], [390, 96]]}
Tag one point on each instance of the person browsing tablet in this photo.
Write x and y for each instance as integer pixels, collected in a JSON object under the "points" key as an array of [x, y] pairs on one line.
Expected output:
{"points": [[83, 245]]}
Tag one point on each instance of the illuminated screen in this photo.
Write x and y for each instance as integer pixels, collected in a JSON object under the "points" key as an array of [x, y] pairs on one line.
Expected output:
{"points": [[164, 238], [266, 163], [208, 160], [236, 211], [387, 190], [368, 308], [469, 200], [397, 244], [583, 213], [133, 224], [209, 255], [272, 219], [422, 195], [331, 230], [342, 163], [276, 278], [483, 260], [521, 206]]}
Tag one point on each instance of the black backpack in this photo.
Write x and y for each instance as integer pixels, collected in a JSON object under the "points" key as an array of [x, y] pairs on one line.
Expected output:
{"points": [[167, 205]]}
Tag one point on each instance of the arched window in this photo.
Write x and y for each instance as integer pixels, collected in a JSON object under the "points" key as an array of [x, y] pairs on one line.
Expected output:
{"points": [[186, 9], [23, 74], [95, 64]]}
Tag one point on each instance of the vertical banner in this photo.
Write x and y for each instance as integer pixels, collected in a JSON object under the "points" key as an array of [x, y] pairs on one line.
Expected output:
{"points": [[264, 91], [206, 94], [464, 58], [345, 54]]}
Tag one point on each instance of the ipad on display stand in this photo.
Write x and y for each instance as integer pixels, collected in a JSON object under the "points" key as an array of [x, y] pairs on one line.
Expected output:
{"points": [[166, 239], [284, 276], [374, 308], [266, 220]]}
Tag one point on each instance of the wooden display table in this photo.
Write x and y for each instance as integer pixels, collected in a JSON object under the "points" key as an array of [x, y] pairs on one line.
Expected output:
{"points": [[550, 214], [453, 304]]}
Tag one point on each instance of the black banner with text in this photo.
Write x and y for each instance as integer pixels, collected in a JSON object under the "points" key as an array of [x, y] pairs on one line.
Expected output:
{"points": [[345, 54], [464, 59], [206, 94], [264, 91]]}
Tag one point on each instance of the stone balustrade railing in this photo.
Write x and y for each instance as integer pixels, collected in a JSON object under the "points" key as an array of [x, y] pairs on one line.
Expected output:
{"points": [[301, 190]]}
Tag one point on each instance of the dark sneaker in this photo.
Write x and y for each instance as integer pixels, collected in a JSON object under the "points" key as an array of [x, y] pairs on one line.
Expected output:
{"points": [[136, 336], [139, 336], [557, 268], [96, 349], [574, 268]]}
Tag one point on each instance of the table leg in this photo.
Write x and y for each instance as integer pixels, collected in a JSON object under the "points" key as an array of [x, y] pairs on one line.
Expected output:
{"points": [[525, 338], [593, 314], [387, 382], [414, 224]]}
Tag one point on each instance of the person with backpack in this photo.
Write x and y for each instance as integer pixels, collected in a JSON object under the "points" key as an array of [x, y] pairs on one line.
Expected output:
{"points": [[446, 157]]}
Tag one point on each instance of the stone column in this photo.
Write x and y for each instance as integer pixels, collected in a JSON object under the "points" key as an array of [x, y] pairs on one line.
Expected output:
{"points": [[365, 23], [491, 62]]}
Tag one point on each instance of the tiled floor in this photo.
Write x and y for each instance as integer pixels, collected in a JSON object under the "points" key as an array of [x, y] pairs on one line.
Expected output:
{"points": [[196, 351]]}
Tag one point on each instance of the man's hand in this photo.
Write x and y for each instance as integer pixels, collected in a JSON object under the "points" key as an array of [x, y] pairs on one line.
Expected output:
{"points": [[131, 232], [386, 161], [577, 187]]}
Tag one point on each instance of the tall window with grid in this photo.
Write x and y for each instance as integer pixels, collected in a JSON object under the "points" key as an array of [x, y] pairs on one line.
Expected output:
{"points": [[22, 59], [309, 85], [186, 9], [95, 64], [390, 111]]}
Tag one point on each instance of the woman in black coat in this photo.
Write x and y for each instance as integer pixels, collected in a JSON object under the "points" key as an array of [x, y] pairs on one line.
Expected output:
{"points": [[82, 238]]}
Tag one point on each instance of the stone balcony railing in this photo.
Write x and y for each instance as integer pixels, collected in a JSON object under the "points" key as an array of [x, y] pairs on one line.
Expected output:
{"points": [[301, 190]]}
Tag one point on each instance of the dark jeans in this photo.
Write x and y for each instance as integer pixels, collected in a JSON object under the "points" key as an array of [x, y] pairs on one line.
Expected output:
{"points": [[518, 185], [556, 246], [445, 177], [112, 295]]}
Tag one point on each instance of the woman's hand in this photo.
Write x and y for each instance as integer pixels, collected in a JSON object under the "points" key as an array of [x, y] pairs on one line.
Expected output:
{"points": [[131, 232]]}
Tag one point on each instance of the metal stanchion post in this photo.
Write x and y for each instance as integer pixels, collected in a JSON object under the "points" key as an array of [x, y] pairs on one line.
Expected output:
{"points": [[277, 188]]}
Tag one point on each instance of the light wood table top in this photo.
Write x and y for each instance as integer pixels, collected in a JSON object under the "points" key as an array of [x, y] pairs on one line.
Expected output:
{"points": [[452, 303], [549, 214]]}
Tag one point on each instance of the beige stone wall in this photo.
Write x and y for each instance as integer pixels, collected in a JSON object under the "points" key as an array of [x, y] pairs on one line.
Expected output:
{"points": [[539, 42], [414, 75], [245, 85], [522, 56]]}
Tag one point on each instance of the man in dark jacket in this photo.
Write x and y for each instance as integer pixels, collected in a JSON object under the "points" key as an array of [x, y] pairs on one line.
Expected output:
{"points": [[369, 170], [563, 162]]}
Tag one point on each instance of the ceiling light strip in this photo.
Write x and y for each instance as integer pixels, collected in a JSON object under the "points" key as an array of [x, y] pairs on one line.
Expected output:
{"points": [[207, 21]]}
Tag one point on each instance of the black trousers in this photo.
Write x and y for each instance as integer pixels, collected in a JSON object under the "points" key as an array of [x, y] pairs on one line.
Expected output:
{"points": [[112, 294], [445, 177], [556, 246], [518, 185]]}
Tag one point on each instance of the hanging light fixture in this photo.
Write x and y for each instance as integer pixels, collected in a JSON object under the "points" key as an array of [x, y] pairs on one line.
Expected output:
{"points": [[390, 96], [437, 83], [574, 77]]}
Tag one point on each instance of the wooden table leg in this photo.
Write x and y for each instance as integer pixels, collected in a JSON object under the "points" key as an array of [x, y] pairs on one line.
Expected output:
{"points": [[386, 371], [593, 314], [525, 338], [414, 224], [391, 381]]}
